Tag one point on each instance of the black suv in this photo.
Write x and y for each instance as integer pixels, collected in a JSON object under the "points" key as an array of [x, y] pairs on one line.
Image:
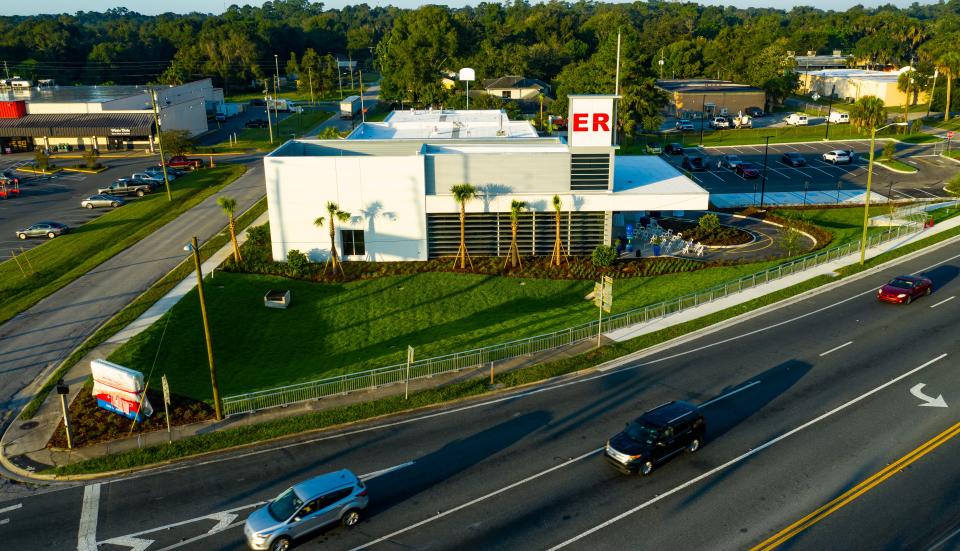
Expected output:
{"points": [[793, 158], [674, 149], [693, 162], [256, 123], [656, 436]]}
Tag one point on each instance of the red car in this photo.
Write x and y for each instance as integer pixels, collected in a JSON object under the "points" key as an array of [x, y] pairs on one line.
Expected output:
{"points": [[903, 289], [179, 161], [747, 170]]}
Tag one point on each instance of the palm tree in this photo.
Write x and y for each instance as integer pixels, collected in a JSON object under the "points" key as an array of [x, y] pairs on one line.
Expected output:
{"points": [[910, 83], [513, 257], [949, 62], [868, 113], [461, 194], [333, 213], [229, 206], [558, 250]]}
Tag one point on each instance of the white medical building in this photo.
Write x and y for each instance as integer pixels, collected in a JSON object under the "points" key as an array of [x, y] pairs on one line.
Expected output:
{"points": [[394, 178]]}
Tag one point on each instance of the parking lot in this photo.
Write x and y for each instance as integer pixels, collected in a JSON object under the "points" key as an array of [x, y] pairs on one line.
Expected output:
{"points": [[821, 181], [55, 198]]}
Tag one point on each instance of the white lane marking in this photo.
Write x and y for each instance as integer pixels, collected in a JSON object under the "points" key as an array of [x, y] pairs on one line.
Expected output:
{"points": [[604, 372], [944, 540], [87, 534], [4, 521], [212, 516], [478, 500], [921, 190], [729, 394], [382, 472], [931, 306], [835, 348], [198, 538], [743, 456], [11, 508], [135, 544], [777, 171]]}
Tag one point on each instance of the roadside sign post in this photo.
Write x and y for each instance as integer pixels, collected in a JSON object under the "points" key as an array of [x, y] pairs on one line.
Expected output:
{"points": [[949, 139], [166, 403], [406, 385], [63, 390], [603, 298]]}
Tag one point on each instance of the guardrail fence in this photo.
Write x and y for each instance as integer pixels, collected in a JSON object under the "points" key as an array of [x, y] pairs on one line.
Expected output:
{"points": [[914, 218]]}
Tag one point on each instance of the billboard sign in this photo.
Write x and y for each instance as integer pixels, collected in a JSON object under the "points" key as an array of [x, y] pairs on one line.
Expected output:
{"points": [[590, 121], [120, 390]]}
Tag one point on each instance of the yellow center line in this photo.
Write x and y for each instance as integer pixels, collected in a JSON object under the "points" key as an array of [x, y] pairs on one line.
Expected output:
{"points": [[853, 493]]}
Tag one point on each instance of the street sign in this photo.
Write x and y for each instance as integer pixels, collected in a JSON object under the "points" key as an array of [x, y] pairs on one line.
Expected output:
{"points": [[166, 390], [949, 134], [603, 294]]}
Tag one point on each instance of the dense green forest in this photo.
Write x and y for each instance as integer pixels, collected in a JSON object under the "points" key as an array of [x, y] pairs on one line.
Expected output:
{"points": [[570, 45]]}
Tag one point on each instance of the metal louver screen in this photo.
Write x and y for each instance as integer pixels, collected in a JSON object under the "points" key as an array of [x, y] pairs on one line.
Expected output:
{"points": [[488, 234], [589, 171]]}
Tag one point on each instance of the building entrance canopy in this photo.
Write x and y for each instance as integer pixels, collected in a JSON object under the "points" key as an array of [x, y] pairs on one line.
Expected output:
{"points": [[78, 125]]}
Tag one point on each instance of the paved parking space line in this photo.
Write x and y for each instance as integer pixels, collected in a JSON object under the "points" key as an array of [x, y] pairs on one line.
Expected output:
{"points": [[820, 170], [810, 147], [710, 172], [920, 189], [777, 171]]}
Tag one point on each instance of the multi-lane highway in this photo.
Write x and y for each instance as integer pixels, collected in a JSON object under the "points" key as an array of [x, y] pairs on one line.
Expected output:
{"points": [[803, 403]]}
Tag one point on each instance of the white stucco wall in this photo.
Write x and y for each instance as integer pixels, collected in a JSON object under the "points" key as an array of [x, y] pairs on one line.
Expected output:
{"points": [[384, 195]]}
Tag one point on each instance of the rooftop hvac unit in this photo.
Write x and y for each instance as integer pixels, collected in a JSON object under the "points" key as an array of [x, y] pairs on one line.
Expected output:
{"points": [[810, 52], [836, 53]]}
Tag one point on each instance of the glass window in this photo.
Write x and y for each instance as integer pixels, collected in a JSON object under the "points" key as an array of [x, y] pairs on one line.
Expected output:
{"points": [[333, 498], [505, 93], [352, 241], [284, 505]]}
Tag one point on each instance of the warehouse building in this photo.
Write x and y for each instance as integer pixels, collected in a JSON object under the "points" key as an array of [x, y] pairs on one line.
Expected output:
{"points": [[853, 84], [693, 98], [100, 117], [394, 179]]}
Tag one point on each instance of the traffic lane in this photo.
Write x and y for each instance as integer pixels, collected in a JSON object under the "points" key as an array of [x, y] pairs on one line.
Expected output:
{"points": [[43, 335], [749, 413], [219, 132], [491, 472], [918, 508], [50, 523]]}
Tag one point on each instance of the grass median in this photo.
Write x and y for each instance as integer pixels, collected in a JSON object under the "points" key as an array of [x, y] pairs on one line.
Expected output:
{"points": [[140, 305], [259, 138]]}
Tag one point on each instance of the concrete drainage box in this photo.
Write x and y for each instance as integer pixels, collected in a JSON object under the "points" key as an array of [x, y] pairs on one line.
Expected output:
{"points": [[277, 299]]}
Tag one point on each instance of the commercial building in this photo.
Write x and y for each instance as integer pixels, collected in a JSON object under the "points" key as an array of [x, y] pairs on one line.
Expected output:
{"points": [[394, 179], [693, 98], [853, 84], [101, 117]]}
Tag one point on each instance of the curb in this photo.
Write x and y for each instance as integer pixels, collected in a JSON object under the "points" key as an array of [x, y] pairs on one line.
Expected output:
{"points": [[891, 169], [606, 366]]}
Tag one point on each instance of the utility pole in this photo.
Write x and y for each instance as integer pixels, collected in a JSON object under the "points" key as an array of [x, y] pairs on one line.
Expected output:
{"points": [[363, 112], [276, 91], [266, 90], [339, 78], [703, 115], [350, 67], [830, 111], [5, 69], [163, 159], [763, 184], [310, 73], [206, 331]]}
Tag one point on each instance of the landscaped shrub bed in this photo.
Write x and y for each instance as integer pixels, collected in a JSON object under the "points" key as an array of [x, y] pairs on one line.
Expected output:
{"points": [[795, 221], [257, 258], [92, 424], [720, 236]]}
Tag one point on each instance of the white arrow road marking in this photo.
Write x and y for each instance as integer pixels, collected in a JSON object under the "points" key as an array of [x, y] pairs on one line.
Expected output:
{"points": [[382, 472], [87, 534], [135, 544], [223, 520], [4, 521], [928, 401], [11, 508]]}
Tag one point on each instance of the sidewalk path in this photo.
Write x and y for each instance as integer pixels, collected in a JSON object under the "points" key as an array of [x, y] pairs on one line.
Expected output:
{"points": [[33, 343]]}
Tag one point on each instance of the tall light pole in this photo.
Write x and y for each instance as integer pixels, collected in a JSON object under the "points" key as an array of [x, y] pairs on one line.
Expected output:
{"points": [[163, 160], [195, 249], [763, 185], [866, 201], [833, 90], [276, 90], [266, 90]]}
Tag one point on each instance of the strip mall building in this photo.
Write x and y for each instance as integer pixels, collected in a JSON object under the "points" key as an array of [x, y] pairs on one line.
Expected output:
{"points": [[394, 179]]}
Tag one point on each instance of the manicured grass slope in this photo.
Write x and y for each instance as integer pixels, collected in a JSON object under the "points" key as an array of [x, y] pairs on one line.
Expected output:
{"points": [[64, 259]]}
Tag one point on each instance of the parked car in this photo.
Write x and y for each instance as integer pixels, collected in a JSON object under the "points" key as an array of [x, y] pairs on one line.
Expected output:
{"points": [[220, 117], [837, 157], [755, 112], [684, 125], [258, 102], [837, 117], [655, 437], [792, 158], [126, 187], [256, 123], [182, 161], [693, 162], [102, 200], [152, 176], [43, 229], [729, 161], [11, 175], [719, 122], [742, 121], [797, 119], [654, 149], [747, 170], [674, 148], [158, 170], [903, 289], [305, 507]]}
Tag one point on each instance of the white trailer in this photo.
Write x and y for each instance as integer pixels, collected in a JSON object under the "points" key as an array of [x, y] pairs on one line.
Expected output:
{"points": [[349, 107]]}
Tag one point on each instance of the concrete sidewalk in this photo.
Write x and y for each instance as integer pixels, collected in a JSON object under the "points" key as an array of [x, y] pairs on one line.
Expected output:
{"points": [[25, 451]]}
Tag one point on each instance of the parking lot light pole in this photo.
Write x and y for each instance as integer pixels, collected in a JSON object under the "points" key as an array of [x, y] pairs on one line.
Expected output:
{"points": [[763, 184], [195, 249], [703, 116], [829, 112], [866, 200]]}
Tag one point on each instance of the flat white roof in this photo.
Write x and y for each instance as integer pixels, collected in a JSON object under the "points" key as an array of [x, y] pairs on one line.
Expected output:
{"points": [[439, 124], [511, 147], [650, 174], [858, 74]]}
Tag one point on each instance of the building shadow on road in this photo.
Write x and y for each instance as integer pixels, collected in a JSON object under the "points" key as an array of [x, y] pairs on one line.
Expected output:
{"points": [[941, 275]]}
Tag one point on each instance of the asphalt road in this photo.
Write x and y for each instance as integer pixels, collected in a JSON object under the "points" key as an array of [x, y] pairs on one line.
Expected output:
{"points": [[36, 340], [801, 403], [57, 198], [926, 183]]}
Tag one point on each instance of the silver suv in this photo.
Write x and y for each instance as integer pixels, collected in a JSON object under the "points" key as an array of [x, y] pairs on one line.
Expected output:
{"points": [[306, 507]]}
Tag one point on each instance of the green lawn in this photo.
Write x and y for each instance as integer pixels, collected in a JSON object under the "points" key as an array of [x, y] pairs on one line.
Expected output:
{"points": [[64, 259], [952, 124], [920, 138], [896, 165], [337, 328]]}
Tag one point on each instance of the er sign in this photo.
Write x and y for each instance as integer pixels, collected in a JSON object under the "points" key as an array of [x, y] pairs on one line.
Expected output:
{"points": [[590, 122]]}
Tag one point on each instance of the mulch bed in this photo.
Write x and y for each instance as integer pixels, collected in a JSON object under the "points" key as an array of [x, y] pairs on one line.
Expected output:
{"points": [[722, 236]]}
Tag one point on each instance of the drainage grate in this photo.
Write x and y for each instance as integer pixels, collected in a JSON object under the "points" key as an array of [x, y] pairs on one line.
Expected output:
{"points": [[29, 425]]}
